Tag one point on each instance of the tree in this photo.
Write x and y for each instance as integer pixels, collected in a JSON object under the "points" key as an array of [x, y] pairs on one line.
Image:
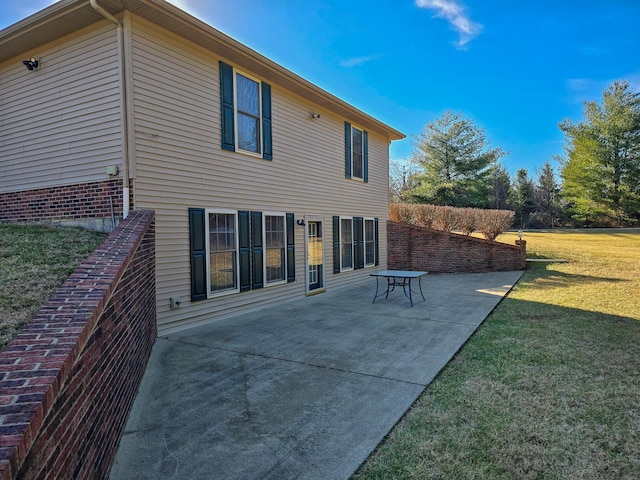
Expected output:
{"points": [[500, 195], [547, 196], [401, 181], [523, 198], [455, 163], [601, 171]]}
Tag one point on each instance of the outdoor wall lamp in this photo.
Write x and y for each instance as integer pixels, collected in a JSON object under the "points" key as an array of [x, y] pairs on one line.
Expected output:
{"points": [[31, 64], [315, 116], [300, 223]]}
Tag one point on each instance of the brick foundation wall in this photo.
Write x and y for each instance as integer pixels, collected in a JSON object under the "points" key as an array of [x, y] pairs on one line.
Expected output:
{"points": [[87, 200], [415, 248], [69, 378]]}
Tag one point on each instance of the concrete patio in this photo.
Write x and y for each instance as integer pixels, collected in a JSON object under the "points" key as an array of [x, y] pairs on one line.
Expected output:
{"points": [[302, 390]]}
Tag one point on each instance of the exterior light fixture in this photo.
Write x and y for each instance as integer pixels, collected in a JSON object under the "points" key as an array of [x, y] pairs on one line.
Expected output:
{"points": [[31, 64], [315, 116], [300, 223]]}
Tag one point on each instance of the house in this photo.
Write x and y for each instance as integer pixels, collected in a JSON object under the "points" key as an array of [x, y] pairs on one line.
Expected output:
{"points": [[265, 187]]}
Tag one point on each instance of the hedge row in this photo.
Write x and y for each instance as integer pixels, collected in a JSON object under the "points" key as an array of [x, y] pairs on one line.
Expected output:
{"points": [[489, 223]]}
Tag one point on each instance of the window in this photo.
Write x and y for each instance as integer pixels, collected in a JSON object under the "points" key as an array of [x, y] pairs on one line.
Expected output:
{"points": [[369, 242], [223, 253], [246, 113], [355, 243], [356, 152], [276, 248], [346, 243], [239, 251]]}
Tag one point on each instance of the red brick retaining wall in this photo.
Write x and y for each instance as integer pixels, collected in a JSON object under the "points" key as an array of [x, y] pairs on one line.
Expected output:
{"points": [[87, 200], [416, 248], [69, 379]]}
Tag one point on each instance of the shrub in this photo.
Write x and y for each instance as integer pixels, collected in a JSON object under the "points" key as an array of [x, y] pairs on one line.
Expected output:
{"points": [[489, 223], [468, 220], [400, 212], [494, 222], [424, 215], [446, 219]]}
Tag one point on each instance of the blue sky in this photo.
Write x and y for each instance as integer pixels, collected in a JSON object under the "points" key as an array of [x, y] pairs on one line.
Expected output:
{"points": [[516, 68]]}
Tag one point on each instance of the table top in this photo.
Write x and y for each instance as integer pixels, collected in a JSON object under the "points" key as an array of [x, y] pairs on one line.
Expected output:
{"points": [[398, 273]]}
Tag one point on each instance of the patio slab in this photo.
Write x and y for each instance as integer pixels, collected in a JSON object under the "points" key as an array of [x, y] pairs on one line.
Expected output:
{"points": [[302, 390]]}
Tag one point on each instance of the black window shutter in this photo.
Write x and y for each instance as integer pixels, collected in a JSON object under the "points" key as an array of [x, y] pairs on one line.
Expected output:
{"points": [[226, 95], [377, 247], [197, 241], [347, 149], [244, 244], [257, 250], [267, 149], [336, 244], [291, 251], [365, 156], [358, 243]]}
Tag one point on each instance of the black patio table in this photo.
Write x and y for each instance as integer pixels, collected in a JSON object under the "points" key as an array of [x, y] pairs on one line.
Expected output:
{"points": [[398, 278]]}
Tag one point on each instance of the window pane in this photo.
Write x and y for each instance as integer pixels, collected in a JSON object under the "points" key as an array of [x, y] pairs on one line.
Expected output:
{"points": [[248, 97], [369, 243], [346, 243], [275, 247], [357, 153], [248, 133], [248, 113], [222, 252]]}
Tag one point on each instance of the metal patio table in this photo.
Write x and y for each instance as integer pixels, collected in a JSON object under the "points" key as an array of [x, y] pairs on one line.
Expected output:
{"points": [[398, 278]]}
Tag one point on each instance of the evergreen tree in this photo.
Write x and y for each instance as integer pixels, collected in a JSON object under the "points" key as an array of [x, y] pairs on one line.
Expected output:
{"points": [[547, 196], [500, 197], [601, 173], [455, 163], [523, 198]]}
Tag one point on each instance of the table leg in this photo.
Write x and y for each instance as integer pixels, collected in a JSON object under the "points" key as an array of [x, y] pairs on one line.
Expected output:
{"points": [[420, 285], [376, 295]]}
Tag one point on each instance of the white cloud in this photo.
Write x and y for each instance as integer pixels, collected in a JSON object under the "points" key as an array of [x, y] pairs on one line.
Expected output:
{"points": [[453, 12], [357, 61]]}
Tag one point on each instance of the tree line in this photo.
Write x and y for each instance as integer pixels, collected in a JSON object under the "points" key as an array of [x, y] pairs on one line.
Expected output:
{"points": [[599, 174]]}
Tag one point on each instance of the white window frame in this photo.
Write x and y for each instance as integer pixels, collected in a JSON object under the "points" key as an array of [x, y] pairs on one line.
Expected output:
{"points": [[353, 170], [264, 246], [364, 240], [353, 260], [230, 291], [237, 72]]}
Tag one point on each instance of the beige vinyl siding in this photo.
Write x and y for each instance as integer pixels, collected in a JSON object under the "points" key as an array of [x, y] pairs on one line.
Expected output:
{"points": [[60, 124], [180, 164]]}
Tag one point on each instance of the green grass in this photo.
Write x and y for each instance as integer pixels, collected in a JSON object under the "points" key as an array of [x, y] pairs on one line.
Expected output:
{"points": [[34, 261], [548, 387]]}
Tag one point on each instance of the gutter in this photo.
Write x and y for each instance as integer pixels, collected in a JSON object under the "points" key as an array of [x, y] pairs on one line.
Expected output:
{"points": [[123, 107]]}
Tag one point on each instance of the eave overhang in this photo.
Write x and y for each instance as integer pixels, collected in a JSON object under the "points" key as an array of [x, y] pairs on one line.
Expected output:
{"points": [[67, 16]]}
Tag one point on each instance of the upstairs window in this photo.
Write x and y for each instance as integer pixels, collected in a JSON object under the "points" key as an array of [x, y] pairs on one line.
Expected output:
{"points": [[246, 113], [356, 153]]}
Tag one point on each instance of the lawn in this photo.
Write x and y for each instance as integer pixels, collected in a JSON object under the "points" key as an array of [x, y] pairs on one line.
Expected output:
{"points": [[34, 261], [548, 387]]}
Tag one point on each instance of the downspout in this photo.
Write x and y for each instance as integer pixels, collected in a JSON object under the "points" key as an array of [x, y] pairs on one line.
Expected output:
{"points": [[123, 106]]}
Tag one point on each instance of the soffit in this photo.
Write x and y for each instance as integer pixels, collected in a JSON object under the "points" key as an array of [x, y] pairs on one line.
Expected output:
{"points": [[67, 16]]}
